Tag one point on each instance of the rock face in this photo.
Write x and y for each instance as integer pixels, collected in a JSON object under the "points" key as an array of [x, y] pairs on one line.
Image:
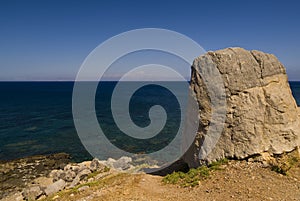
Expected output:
{"points": [[261, 113]]}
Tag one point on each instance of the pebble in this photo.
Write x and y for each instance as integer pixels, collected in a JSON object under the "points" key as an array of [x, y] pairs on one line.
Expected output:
{"points": [[83, 188], [55, 197]]}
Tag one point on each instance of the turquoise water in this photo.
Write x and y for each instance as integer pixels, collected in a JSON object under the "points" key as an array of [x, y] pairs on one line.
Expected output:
{"points": [[36, 118]]}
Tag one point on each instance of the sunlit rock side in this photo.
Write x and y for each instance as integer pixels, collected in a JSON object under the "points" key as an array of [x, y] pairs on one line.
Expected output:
{"points": [[262, 115]]}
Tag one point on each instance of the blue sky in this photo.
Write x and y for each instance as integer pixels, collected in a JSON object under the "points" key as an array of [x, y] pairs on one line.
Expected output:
{"points": [[49, 40]]}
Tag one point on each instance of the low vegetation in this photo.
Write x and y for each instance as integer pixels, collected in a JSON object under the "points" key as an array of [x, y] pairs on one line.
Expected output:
{"points": [[285, 163], [91, 175], [193, 177], [75, 194]]}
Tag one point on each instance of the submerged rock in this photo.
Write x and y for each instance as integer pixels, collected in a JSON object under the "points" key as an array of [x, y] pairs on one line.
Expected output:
{"points": [[261, 113]]}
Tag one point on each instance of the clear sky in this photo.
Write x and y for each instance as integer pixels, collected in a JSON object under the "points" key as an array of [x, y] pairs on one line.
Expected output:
{"points": [[48, 40]]}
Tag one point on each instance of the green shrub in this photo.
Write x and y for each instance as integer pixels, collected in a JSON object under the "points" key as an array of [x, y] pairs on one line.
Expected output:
{"points": [[217, 164], [279, 170], [193, 176]]}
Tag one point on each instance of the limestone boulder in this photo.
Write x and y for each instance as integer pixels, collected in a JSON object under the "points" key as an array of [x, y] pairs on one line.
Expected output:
{"points": [[261, 114]]}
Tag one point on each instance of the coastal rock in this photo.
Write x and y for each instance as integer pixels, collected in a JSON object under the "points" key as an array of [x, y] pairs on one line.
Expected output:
{"points": [[84, 173], [261, 113], [72, 167], [84, 165], [79, 177], [69, 175], [43, 182], [55, 187], [49, 182], [57, 174], [15, 197], [109, 162], [123, 163], [96, 165], [32, 192]]}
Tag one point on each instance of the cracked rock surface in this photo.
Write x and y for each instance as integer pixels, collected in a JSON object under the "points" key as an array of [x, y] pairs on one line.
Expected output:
{"points": [[261, 113]]}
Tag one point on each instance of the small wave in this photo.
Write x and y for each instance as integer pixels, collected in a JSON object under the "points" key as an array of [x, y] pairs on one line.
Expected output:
{"points": [[30, 128]]}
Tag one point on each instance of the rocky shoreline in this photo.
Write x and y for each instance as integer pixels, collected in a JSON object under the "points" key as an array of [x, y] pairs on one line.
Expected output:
{"points": [[37, 177], [43, 177], [15, 175]]}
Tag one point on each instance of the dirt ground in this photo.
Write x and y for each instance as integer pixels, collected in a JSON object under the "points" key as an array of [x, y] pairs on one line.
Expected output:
{"points": [[239, 180]]}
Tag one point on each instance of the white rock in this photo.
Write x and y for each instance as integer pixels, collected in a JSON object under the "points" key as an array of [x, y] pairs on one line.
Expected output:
{"points": [[123, 163]]}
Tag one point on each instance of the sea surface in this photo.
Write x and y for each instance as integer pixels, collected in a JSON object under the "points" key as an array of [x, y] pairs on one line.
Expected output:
{"points": [[36, 117]]}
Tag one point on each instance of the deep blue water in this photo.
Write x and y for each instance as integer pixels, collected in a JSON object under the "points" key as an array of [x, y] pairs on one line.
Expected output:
{"points": [[295, 86], [36, 118]]}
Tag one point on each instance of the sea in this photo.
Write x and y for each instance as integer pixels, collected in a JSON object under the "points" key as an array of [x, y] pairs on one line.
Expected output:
{"points": [[36, 117]]}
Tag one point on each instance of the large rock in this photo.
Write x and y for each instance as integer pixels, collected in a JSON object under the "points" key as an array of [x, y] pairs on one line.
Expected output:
{"points": [[261, 113], [79, 177], [55, 187], [96, 165], [32, 192], [123, 163], [43, 182]]}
